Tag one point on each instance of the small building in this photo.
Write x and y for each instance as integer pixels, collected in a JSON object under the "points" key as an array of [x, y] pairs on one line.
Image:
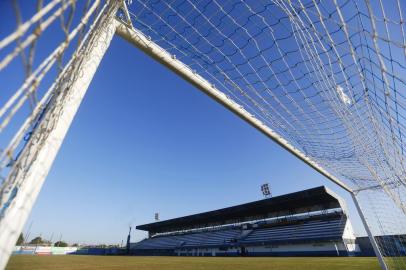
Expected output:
{"points": [[311, 222]]}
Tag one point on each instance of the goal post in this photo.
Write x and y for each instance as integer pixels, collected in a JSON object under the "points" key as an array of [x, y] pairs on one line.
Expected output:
{"points": [[33, 164]]}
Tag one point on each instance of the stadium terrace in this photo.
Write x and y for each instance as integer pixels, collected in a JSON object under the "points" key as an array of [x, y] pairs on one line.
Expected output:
{"points": [[311, 222]]}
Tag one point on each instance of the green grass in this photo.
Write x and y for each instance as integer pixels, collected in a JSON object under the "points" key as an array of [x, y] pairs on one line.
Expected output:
{"points": [[80, 262]]}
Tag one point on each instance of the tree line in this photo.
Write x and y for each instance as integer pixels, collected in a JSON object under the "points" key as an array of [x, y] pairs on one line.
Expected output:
{"points": [[39, 241]]}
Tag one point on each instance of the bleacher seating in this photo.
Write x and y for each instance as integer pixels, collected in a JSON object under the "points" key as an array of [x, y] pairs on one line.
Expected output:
{"points": [[310, 222], [301, 230], [311, 230], [215, 238]]}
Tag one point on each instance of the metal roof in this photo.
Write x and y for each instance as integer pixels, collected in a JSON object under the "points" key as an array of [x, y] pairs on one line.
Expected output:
{"points": [[309, 200]]}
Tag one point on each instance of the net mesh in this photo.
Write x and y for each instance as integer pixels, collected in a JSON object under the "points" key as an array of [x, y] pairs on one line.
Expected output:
{"points": [[313, 71], [31, 58], [328, 76]]}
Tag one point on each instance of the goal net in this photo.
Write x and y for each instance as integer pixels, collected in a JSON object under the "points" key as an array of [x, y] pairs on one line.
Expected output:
{"points": [[329, 77]]}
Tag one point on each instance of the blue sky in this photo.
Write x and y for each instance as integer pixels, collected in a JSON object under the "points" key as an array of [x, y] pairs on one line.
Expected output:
{"points": [[145, 141]]}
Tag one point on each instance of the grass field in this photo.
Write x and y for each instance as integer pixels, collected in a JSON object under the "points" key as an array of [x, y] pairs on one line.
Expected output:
{"points": [[21, 262]]}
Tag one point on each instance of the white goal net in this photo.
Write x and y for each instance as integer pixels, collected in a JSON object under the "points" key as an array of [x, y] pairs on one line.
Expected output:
{"points": [[327, 76]]}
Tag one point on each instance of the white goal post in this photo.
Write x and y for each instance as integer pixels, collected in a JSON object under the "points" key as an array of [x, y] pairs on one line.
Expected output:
{"points": [[33, 164]]}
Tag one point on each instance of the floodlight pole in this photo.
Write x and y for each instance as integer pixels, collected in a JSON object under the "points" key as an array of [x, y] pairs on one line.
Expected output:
{"points": [[32, 166], [139, 40], [370, 236]]}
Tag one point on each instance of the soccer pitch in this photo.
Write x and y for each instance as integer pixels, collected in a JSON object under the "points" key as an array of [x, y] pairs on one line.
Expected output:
{"points": [[187, 263]]}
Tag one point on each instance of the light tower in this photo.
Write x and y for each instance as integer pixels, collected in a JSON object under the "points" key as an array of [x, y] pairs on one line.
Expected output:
{"points": [[128, 241], [266, 191]]}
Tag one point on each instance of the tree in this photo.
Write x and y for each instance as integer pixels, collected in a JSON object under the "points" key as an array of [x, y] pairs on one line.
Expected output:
{"points": [[60, 244], [20, 240], [37, 241]]}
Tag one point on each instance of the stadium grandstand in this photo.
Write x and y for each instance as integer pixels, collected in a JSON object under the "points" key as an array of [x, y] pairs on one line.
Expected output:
{"points": [[311, 222]]}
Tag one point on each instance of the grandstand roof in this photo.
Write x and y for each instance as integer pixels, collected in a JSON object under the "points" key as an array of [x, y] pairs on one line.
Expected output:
{"points": [[314, 199]]}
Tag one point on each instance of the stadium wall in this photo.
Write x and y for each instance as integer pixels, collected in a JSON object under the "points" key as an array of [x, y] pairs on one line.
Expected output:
{"points": [[43, 250], [310, 249], [47, 250], [349, 239]]}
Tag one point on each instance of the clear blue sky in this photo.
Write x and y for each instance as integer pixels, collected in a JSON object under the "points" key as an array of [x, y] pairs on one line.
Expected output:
{"points": [[145, 141]]}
